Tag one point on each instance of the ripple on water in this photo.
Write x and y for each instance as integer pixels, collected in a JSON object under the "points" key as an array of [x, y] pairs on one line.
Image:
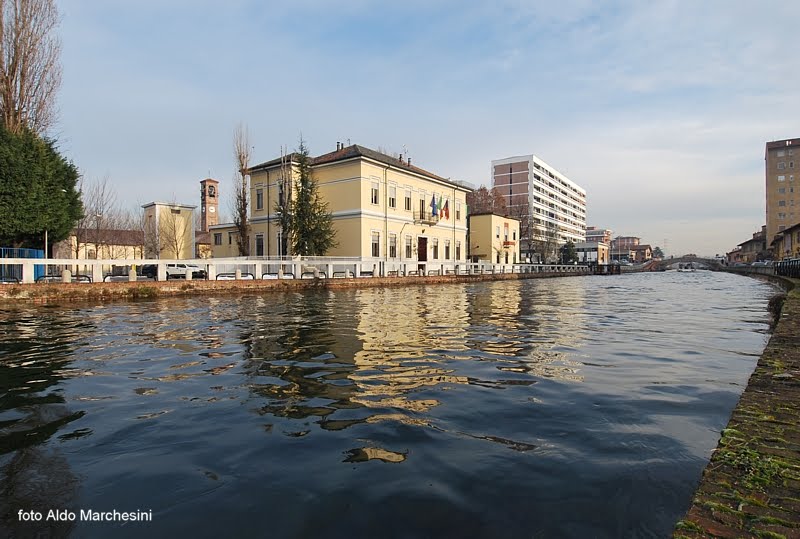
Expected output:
{"points": [[560, 407]]}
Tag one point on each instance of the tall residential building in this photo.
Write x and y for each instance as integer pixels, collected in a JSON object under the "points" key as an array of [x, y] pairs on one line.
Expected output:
{"points": [[782, 196], [553, 206]]}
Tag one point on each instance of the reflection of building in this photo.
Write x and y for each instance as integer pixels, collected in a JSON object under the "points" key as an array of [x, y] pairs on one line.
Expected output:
{"points": [[383, 208], [169, 230], [782, 194], [592, 252], [555, 206], [493, 238]]}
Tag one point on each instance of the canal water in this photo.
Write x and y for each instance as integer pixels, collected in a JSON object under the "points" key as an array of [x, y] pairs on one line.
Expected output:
{"points": [[571, 407]]}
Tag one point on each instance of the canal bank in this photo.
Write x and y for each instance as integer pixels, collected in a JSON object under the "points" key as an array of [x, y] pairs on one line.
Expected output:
{"points": [[751, 486], [110, 291]]}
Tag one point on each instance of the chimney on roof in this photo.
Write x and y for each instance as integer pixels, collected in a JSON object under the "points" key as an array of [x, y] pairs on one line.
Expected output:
{"points": [[401, 158], [409, 161], [338, 145]]}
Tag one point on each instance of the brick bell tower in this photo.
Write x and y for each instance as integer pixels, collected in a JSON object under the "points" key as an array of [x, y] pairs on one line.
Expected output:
{"points": [[209, 203]]}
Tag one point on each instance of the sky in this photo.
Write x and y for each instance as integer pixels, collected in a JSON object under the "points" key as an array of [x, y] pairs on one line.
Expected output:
{"points": [[659, 109]]}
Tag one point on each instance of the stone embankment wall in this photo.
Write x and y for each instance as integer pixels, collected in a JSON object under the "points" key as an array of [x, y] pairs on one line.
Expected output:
{"points": [[751, 486], [59, 292]]}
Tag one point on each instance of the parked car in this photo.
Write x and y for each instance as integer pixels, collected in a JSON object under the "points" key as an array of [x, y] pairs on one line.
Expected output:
{"points": [[148, 270], [179, 271]]}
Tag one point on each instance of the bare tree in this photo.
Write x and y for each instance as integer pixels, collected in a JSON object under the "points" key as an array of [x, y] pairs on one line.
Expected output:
{"points": [[100, 215], [241, 153], [30, 70], [172, 231], [483, 200]]}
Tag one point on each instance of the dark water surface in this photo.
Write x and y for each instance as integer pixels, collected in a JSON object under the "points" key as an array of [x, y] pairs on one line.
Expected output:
{"points": [[573, 407]]}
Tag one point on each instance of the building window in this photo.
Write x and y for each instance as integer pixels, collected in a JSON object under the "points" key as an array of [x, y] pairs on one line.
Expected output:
{"points": [[781, 228], [782, 190], [514, 235], [791, 164], [392, 196], [230, 238], [436, 248], [781, 216], [781, 203], [374, 193], [458, 211], [259, 199], [280, 194], [505, 232], [408, 246], [497, 232], [408, 200], [781, 178], [458, 250], [781, 165], [259, 244], [376, 244], [447, 249], [175, 212], [422, 206], [392, 245], [218, 238], [781, 153]]}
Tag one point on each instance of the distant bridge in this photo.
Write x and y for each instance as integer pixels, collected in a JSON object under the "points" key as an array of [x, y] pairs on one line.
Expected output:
{"points": [[697, 263]]}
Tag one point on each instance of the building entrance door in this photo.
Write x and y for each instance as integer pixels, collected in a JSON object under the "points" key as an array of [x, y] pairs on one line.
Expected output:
{"points": [[422, 254]]}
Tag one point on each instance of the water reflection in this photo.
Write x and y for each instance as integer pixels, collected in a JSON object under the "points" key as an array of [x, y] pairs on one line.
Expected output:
{"points": [[36, 355], [497, 407]]}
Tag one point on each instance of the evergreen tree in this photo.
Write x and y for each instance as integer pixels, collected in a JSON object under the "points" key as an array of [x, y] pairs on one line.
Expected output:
{"points": [[568, 253], [311, 227], [37, 191]]}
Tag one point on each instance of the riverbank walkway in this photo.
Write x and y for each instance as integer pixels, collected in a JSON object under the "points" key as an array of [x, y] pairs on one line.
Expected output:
{"points": [[751, 486]]}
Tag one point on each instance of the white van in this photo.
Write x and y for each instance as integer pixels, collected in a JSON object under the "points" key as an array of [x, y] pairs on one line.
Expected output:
{"points": [[178, 271]]}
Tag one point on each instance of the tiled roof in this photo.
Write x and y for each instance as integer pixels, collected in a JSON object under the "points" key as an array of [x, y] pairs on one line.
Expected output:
{"points": [[110, 236], [354, 151]]}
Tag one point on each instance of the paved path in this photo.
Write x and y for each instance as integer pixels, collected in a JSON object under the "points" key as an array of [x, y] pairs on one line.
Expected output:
{"points": [[751, 487]]}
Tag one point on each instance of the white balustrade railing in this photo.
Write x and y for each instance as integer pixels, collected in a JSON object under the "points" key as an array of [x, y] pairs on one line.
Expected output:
{"points": [[71, 270]]}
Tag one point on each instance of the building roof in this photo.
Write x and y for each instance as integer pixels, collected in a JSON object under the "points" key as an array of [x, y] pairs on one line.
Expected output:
{"points": [[202, 237], [786, 143], [481, 213], [110, 236], [355, 151], [170, 205], [641, 247]]}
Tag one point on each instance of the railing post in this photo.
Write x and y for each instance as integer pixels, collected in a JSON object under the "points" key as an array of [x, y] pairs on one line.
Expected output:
{"points": [[97, 272], [66, 276], [131, 275], [238, 274], [212, 272]]}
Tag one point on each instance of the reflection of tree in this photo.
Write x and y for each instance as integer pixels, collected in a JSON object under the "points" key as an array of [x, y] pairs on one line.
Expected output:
{"points": [[37, 356], [293, 344]]}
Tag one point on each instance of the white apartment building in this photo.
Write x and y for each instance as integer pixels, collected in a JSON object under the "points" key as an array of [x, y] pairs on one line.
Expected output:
{"points": [[554, 205]]}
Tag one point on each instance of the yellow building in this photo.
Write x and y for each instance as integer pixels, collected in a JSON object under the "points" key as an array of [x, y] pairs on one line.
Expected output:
{"points": [[383, 208], [493, 238], [169, 231]]}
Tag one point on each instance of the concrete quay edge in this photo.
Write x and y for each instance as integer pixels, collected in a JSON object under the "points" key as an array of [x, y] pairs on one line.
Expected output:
{"points": [[112, 291], [751, 486]]}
